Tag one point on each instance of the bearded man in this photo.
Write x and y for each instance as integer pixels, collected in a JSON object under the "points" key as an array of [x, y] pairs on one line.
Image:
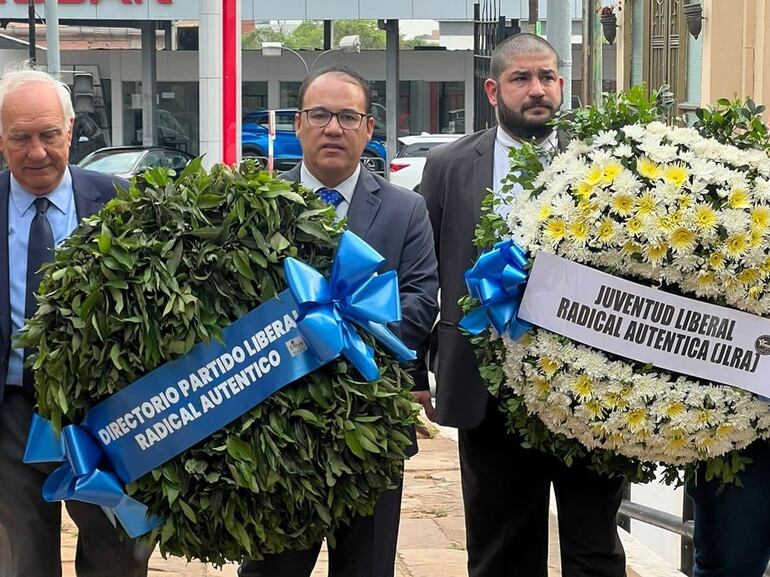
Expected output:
{"points": [[506, 487]]}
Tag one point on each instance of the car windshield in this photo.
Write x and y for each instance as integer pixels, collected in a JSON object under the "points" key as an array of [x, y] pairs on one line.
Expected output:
{"points": [[418, 149], [112, 163]]}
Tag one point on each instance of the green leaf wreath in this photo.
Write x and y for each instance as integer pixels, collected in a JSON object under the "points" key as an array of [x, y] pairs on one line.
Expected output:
{"points": [[168, 264]]}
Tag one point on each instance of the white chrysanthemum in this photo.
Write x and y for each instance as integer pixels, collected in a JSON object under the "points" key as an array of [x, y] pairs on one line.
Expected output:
{"points": [[606, 138], [735, 221], [623, 151]]}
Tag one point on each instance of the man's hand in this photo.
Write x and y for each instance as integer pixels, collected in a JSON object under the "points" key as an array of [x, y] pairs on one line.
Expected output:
{"points": [[424, 398]]}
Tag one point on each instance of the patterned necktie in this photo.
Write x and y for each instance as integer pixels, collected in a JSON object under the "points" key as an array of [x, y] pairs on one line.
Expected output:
{"points": [[39, 252], [330, 196]]}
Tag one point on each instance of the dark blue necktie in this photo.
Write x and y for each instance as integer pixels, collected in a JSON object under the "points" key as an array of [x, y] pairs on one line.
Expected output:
{"points": [[330, 196], [39, 252]]}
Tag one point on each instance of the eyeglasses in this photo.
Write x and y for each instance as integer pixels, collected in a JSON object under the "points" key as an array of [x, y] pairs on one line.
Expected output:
{"points": [[347, 119]]}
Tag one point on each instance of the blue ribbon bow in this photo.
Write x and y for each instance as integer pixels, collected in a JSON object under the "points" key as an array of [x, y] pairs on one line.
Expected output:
{"points": [[354, 295], [79, 477], [498, 280]]}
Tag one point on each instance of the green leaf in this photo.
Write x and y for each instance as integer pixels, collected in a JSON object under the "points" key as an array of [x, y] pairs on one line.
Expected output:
{"points": [[353, 444], [188, 512]]}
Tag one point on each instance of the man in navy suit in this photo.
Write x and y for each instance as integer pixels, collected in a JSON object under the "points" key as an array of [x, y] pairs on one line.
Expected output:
{"points": [[334, 125], [42, 199]]}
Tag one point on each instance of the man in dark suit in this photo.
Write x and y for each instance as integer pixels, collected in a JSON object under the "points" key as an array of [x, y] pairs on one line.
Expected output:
{"points": [[42, 199], [506, 487], [334, 125]]}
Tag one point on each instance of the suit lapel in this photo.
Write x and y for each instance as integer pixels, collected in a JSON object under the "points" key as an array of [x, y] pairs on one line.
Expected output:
{"points": [[87, 197], [365, 204], [483, 171], [5, 296], [292, 174]]}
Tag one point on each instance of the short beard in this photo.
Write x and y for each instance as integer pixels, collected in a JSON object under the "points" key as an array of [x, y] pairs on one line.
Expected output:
{"points": [[518, 126]]}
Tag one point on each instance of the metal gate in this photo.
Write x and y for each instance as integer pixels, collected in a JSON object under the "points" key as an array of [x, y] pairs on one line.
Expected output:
{"points": [[489, 29]]}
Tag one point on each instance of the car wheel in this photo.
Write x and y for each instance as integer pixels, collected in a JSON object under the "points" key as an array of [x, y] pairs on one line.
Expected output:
{"points": [[373, 162], [255, 154]]}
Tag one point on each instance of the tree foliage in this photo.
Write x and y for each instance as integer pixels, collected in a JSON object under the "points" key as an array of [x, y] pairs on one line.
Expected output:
{"points": [[309, 36]]}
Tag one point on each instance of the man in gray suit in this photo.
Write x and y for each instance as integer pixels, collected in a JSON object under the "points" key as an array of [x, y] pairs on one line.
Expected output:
{"points": [[42, 199], [334, 125], [506, 487]]}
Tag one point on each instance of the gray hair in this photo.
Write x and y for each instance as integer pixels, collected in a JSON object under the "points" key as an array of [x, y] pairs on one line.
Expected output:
{"points": [[19, 75], [516, 45]]}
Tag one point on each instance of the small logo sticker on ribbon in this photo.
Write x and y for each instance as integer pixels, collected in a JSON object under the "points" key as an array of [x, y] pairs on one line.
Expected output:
{"points": [[296, 346]]}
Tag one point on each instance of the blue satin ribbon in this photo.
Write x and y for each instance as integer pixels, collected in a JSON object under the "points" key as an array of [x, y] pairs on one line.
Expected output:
{"points": [[354, 295], [498, 280], [79, 477]]}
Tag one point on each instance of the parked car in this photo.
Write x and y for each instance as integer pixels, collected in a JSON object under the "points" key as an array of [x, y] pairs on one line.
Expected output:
{"points": [[286, 147], [128, 161], [406, 168]]}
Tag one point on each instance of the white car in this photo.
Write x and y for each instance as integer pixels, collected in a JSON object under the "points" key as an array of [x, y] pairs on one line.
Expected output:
{"points": [[406, 168]]}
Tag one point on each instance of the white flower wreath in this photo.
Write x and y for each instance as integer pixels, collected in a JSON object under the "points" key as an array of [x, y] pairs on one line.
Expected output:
{"points": [[666, 207]]}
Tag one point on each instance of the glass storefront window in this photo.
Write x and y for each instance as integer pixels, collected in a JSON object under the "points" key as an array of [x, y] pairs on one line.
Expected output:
{"points": [[253, 96], [434, 107], [178, 110], [290, 94]]}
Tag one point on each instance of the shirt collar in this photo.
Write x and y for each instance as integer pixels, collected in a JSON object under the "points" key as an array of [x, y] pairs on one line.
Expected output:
{"points": [[509, 141], [59, 197], [346, 188]]}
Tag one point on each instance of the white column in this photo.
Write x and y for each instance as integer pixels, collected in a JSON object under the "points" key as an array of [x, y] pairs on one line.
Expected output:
{"points": [[210, 73], [116, 91], [560, 37]]}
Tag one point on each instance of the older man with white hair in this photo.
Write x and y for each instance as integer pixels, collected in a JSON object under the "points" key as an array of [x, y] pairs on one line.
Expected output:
{"points": [[42, 199]]}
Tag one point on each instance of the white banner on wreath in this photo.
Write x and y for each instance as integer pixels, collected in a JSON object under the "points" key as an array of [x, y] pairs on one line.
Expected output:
{"points": [[641, 323]]}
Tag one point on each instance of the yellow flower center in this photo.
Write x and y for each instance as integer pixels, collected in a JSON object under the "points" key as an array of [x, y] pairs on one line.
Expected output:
{"points": [[737, 244], [738, 198], [584, 388], [634, 225], [636, 419], [706, 279], [622, 204], [645, 204], [756, 292], [611, 171], [674, 409], [606, 229], [584, 190], [555, 229], [682, 239], [594, 175], [705, 217], [631, 248], [648, 169], [578, 231], [677, 174], [760, 216], [548, 365], [717, 261], [544, 213], [656, 252]]}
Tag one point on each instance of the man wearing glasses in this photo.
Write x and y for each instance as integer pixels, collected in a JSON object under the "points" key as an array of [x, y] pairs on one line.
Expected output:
{"points": [[334, 125]]}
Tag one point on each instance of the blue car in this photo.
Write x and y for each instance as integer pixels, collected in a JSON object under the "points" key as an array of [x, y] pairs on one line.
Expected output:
{"points": [[286, 147]]}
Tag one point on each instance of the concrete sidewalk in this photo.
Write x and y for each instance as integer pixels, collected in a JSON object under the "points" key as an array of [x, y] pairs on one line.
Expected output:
{"points": [[432, 535]]}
